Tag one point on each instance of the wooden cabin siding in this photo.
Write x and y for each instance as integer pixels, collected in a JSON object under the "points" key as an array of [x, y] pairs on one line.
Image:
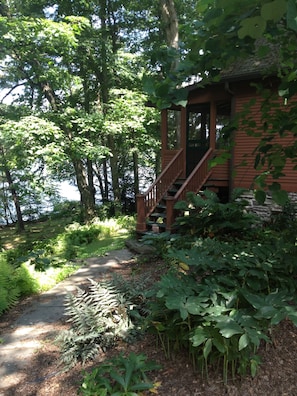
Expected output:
{"points": [[243, 156], [221, 173]]}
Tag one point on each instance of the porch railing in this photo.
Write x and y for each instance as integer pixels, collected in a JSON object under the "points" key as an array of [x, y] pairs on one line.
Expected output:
{"points": [[147, 202], [194, 183]]}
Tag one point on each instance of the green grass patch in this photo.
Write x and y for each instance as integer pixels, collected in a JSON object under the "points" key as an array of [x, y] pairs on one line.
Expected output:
{"points": [[50, 251]]}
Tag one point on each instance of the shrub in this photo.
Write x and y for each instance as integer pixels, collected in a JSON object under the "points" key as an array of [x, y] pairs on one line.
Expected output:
{"points": [[203, 215], [222, 300]]}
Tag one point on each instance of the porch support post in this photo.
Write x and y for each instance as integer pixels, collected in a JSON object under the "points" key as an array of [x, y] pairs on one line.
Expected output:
{"points": [[213, 116], [141, 218]]}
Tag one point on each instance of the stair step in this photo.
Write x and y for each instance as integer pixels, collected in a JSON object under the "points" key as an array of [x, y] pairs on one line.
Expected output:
{"points": [[179, 182], [155, 227], [155, 214]]}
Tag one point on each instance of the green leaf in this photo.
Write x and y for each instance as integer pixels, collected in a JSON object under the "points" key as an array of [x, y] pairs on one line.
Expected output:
{"points": [[217, 342], [253, 27], [178, 303], [141, 386], [292, 314], [228, 327], [254, 367], [199, 337], [195, 305], [243, 342], [149, 85], [292, 15], [280, 197], [118, 378], [273, 11], [260, 196], [207, 348], [274, 186]]}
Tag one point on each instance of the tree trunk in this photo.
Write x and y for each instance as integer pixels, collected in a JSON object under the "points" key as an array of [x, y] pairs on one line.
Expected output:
{"points": [[87, 198], [106, 186], [136, 175], [114, 175], [103, 15], [91, 180], [170, 21], [20, 221]]}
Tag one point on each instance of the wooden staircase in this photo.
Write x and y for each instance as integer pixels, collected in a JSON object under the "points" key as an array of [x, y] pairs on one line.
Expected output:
{"points": [[157, 220], [155, 208]]}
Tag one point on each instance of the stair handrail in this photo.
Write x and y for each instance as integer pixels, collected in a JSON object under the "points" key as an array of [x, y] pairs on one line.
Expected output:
{"points": [[146, 202], [193, 183]]}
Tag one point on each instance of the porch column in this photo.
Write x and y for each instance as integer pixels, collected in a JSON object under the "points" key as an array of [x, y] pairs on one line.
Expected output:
{"points": [[213, 124], [141, 218]]}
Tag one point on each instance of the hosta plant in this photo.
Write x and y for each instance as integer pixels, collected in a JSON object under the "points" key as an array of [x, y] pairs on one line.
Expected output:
{"points": [[223, 303]]}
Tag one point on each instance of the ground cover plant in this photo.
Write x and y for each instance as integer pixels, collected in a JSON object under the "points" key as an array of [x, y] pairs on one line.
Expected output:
{"points": [[121, 376]]}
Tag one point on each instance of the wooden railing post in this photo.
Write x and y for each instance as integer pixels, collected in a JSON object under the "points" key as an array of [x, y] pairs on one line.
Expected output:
{"points": [[141, 215]]}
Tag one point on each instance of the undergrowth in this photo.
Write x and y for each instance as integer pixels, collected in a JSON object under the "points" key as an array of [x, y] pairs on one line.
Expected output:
{"points": [[36, 265]]}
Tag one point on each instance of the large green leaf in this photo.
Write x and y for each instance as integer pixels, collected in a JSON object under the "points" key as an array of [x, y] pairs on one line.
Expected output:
{"points": [[274, 11], [207, 348], [199, 337], [292, 15], [228, 327], [195, 305], [253, 27], [260, 196], [280, 197], [243, 342]]}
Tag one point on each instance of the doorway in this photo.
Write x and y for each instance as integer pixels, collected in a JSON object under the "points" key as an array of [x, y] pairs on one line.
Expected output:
{"points": [[198, 126]]}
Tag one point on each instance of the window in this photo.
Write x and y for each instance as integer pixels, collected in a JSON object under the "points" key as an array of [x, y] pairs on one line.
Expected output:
{"points": [[173, 129]]}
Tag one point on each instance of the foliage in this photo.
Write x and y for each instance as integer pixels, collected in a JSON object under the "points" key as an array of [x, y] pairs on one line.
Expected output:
{"points": [[36, 263], [70, 64], [120, 375], [223, 299], [66, 209], [285, 221], [99, 316], [9, 290], [204, 215]]}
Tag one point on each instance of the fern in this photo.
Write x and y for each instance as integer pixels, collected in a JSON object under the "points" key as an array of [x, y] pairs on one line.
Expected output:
{"points": [[9, 291], [99, 316]]}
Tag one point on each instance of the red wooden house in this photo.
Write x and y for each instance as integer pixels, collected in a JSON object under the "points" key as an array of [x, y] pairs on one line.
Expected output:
{"points": [[191, 138]]}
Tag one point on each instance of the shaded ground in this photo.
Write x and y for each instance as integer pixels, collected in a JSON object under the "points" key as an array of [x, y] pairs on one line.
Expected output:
{"points": [[41, 376]]}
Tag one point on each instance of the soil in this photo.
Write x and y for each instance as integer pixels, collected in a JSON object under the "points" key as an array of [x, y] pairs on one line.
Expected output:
{"points": [[277, 375]]}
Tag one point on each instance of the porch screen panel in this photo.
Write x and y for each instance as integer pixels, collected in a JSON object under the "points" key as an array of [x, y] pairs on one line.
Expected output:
{"points": [[173, 129], [223, 127]]}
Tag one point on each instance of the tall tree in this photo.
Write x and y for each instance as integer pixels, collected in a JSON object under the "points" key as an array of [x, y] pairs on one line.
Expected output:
{"points": [[28, 148]]}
